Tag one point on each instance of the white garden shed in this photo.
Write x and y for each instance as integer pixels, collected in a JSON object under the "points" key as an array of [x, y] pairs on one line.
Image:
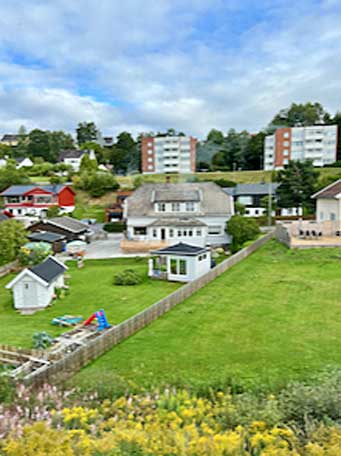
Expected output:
{"points": [[180, 262], [34, 287]]}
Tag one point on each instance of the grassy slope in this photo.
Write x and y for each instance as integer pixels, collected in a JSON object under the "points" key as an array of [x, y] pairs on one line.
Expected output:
{"points": [[91, 288], [274, 317]]}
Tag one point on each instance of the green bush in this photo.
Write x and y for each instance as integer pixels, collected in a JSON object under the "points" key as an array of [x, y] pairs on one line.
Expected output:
{"points": [[96, 183], [242, 229], [114, 227], [222, 182], [127, 277], [41, 340]]}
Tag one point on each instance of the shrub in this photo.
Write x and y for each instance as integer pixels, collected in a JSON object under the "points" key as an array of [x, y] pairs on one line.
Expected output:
{"points": [[225, 182], [96, 183], [127, 277], [114, 227], [242, 229], [41, 340], [35, 255]]}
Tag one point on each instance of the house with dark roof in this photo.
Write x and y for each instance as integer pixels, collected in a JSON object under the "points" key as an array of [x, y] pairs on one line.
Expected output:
{"points": [[34, 287], [251, 195], [57, 241], [70, 228], [328, 203], [35, 199], [73, 157], [194, 213], [10, 140], [179, 262]]}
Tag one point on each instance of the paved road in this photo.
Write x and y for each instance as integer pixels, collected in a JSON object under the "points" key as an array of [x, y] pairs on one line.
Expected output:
{"points": [[109, 248]]}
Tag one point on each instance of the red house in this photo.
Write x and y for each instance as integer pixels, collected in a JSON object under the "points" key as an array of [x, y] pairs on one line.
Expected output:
{"points": [[36, 199]]}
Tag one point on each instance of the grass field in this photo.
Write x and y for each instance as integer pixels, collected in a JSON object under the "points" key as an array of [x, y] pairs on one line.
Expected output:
{"points": [[272, 318], [91, 288]]}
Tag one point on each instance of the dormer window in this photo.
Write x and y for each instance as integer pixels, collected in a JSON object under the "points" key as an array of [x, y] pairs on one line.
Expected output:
{"points": [[190, 206]]}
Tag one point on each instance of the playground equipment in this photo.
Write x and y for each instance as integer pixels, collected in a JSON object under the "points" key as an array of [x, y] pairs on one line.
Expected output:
{"points": [[101, 320], [67, 320]]}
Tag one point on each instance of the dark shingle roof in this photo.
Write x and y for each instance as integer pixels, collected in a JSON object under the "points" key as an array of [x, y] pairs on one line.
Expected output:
{"points": [[45, 236], [17, 190], [181, 249], [9, 137], [251, 189], [71, 153], [331, 191], [69, 224], [48, 270]]}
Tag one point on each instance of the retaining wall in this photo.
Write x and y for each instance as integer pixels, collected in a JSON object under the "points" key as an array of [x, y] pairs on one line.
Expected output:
{"points": [[73, 362]]}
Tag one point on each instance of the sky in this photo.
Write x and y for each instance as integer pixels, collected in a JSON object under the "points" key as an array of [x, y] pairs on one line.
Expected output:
{"points": [[149, 65]]}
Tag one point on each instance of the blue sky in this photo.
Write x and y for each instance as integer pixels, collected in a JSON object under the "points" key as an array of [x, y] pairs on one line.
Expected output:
{"points": [[146, 65]]}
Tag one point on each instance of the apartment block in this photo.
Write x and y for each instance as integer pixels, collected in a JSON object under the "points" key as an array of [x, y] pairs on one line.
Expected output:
{"points": [[168, 154], [317, 143]]}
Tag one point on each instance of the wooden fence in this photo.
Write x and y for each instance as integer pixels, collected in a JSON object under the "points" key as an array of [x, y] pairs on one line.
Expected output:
{"points": [[73, 362], [7, 268]]}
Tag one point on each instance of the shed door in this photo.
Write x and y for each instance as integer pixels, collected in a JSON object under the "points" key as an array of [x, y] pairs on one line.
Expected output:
{"points": [[29, 294]]}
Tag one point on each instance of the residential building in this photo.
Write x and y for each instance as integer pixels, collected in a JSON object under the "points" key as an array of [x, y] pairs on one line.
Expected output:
{"points": [[34, 287], [115, 211], [10, 140], [317, 143], [73, 157], [23, 162], [70, 228], [251, 195], [57, 241], [36, 199], [194, 213], [180, 262], [328, 203], [168, 154]]}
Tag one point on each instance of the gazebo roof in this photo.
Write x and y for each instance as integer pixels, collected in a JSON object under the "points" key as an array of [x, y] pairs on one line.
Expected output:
{"points": [[181, 249]]}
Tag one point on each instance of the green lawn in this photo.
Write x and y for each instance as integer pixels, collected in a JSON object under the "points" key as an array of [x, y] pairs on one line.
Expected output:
{"points": [[91, 288], [274, 317]]}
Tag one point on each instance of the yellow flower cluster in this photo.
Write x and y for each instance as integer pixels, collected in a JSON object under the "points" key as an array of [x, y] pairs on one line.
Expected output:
{"points": [[168, 424]]}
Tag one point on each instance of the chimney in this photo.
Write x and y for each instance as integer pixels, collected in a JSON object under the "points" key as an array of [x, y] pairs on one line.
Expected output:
{"points": [[168, 179]]}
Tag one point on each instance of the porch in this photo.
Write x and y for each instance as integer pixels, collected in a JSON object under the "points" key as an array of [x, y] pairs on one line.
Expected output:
{"points": [[309, 234]]}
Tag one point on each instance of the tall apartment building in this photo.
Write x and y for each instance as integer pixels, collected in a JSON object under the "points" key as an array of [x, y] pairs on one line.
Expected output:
{"points": [[317, 143], [168, 154]]}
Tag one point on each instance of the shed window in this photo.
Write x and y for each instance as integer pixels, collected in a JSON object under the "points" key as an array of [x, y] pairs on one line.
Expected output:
{"points": [[173, 266], [140, 230], [182, 267]]}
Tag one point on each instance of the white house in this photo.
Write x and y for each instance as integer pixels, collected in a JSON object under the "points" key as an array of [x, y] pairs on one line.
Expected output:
{"points": [[34, 287], [194, 213], [73, 157], [180, 262], [328, 203], [23, 162]]}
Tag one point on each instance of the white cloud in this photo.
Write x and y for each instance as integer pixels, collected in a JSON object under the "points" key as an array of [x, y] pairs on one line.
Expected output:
{"points": [[151, 65]]}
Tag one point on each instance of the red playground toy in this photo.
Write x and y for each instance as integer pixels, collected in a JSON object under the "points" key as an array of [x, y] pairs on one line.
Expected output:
{"points": [[101, 320]]}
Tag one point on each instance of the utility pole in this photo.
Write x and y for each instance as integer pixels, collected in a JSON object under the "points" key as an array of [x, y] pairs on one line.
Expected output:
{"points": [[270, 202]]}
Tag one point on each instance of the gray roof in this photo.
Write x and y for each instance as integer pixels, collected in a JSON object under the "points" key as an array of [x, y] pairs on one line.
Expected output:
{"points": [[176, 196], [45, 236], [213, 200], [17, 190], [181, 249], [175, 221], [48, 270], [68, 224], [71, 153], [251, 189]]}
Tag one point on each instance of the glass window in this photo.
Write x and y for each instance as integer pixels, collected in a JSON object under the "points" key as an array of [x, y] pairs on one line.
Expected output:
{"points": [[150, 159], [161, 207], [246, 200], [286, 134], [173, 266], [183, 267], [175, 207], [321, 215], [190, 206], [171, 232], [184, 233], [190, 233], [198, 232], [332, 216], [214, 230], [155, 232], [140, 230], [179, 233]]}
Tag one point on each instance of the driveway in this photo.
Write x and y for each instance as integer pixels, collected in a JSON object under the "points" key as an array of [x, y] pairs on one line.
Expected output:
{"points": [[108, 248]]}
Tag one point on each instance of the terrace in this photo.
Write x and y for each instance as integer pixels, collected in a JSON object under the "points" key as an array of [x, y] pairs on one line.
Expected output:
{"points": [[309, 234]]}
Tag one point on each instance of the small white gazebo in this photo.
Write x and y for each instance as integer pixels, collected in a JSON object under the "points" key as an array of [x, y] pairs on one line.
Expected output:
{"points": [[180, 262]]}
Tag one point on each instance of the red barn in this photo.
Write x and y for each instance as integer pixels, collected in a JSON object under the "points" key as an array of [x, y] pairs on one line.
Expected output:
{"points": [[36, 199]]}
